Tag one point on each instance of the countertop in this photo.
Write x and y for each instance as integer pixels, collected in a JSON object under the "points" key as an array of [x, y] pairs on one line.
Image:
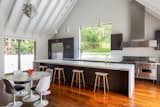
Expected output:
{"points": [[100, 65]]}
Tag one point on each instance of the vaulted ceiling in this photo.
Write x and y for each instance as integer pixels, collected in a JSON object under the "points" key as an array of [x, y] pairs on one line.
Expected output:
{"points": [[151, 6], [51, 14]]}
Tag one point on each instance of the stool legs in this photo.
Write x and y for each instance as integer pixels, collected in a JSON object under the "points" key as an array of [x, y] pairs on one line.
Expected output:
{"points": [[105, 83], [72, 79], [83, 80], [64, 77], [99, 82], [79, 75], [78, 79], [59, 76], [95, 84], [54, 76]]}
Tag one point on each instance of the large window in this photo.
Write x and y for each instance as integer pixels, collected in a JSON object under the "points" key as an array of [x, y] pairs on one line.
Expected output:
{"points": [[95, 42], [10, 55], [19, 54], [26, 54]]}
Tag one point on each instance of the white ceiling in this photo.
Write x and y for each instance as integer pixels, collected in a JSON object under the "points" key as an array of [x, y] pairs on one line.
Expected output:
{"points": [[51, 14], [152, 6]]}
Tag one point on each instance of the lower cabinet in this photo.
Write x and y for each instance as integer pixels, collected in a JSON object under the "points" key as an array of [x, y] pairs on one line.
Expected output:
{"points": [[158, 73]]}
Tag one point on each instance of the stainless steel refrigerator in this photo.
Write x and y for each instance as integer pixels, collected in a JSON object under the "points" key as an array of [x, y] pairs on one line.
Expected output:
{"points": [[57, 51]]}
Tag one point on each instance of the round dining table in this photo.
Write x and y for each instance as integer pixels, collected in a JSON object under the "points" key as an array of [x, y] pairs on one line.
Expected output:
{"points": [[24, 77]]}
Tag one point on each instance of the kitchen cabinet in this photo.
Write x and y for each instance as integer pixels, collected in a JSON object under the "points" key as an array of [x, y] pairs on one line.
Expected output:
{"points": [[116, 41], [68, 47], [157, 37], [158, 73]]}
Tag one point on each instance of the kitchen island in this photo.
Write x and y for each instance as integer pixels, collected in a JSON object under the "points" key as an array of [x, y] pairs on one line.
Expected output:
{"points": [[121, 76]]}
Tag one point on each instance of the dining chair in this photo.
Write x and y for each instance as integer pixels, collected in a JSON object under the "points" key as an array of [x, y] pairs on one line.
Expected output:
{"points": [[43, 85], [22, 83], [13, 89], [48, 92]]}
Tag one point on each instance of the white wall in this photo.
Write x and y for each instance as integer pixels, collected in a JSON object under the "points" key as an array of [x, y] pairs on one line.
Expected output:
{"points": [[42, 47], [116, 11], [86, 12]]}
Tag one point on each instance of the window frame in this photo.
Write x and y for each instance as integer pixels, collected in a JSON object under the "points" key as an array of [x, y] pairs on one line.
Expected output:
{"points": [[19, 50], [79, 41]]}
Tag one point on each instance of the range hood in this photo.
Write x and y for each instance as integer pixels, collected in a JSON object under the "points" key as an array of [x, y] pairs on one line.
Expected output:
{"points": [[137, 38]]}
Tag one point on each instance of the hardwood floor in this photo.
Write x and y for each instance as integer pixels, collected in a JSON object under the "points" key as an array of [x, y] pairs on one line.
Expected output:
{"points": [[146, 95]]}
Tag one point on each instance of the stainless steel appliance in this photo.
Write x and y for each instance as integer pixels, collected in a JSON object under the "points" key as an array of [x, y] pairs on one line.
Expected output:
{"points": [[146, 67], [57, 50]]}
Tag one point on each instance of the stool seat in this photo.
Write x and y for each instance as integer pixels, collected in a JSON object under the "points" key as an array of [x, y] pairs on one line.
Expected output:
{"points": [[42, 68], [56, 68], [75, 70], [101, 73]]}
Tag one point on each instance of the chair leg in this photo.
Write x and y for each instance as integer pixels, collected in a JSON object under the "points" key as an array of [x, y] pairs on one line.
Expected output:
{"points": [[54, 76], [63, 76], [107, 83], [95, 84], [104, 85], [40, 97], [83, 80], [14, 99], [79, 80], [72, 79]]}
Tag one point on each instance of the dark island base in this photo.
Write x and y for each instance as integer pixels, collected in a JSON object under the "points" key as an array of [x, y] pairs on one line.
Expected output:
{"points": [[118, 80]]}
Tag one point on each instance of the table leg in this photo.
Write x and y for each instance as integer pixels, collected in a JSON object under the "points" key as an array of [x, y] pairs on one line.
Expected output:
{"points": [[32, 97]]}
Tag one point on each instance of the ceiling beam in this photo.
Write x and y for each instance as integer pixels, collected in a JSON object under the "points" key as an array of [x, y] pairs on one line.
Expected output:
{"points": [[59, 16], [62, 19], [40, 17], [55, 15], [49, 16], [9, 15], [29, 22]]}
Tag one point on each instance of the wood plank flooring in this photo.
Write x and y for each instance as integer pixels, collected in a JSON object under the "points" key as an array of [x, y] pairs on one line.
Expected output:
{"points": [[146, 95]]}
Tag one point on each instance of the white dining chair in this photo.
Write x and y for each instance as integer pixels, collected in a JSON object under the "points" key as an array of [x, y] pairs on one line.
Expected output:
{"points": [[48, 92], [43, 85]]}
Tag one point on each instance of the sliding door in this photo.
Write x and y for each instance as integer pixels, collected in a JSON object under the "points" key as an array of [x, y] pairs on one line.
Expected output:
{"points": [[19, 54], [10, 55], [26, 54]]}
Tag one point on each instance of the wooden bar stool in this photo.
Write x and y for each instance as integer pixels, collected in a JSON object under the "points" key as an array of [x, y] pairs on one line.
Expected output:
{"points": [[42, 68], [59, 70], [105, 81], [78, 74]]}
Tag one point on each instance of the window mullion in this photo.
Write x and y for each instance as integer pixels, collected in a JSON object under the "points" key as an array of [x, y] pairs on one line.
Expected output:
{"points": [[19, 54]]}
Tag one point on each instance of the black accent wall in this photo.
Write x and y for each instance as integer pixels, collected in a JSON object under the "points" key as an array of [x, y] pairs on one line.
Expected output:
{"points": [[68, 47]]}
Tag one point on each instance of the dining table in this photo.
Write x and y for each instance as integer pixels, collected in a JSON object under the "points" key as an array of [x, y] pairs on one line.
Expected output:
{"points": [[25, 77]]}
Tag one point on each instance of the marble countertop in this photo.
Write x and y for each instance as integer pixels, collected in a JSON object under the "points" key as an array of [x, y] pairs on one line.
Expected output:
{"points": [[100, 65]]}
